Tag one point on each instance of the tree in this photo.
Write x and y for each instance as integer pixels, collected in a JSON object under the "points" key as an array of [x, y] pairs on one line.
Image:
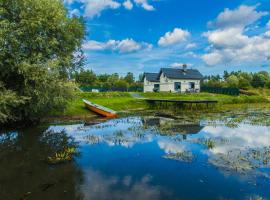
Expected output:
{"points": [[244, 83], [121, 85], [129, 78], [232, 81], [86, 78], [259, 80], [38, 43]]}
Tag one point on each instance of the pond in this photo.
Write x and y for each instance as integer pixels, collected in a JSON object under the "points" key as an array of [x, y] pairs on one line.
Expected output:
{"points": [[139, 157]]}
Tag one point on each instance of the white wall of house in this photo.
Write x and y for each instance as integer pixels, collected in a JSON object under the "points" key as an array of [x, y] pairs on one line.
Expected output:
{"points": [[148, 86], [168, 85]]}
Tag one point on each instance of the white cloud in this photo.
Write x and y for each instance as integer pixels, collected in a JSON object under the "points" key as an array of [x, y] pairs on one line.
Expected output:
{"points": [[229, 43], [268, 24], [267, 34], [144, 4], [237, 48], [191, 45], [93, 8], [128, 5], [212, 58], [128, 45], [240, 17], [227, 38], [122, 46], [74, 12], [177, 36], [69, 1]]}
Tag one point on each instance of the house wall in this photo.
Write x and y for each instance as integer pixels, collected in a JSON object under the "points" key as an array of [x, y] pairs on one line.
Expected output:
{"points": [[148, 86], [167, 85]]}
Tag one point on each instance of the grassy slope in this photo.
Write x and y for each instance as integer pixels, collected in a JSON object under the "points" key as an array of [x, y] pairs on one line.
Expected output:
{"points": [[223, 99], [119, 101], [122, 101]]}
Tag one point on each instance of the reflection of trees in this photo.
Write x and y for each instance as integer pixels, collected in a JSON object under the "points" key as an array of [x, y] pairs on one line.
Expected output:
{"points": [[24, 173]]}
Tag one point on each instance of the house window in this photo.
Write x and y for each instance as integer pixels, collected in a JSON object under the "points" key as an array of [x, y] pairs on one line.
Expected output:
{"points": [[177, 86], [191, 85], [156, 87]]}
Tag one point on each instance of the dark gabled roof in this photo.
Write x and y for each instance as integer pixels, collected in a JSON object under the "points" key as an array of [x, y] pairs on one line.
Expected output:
{"points": [[175, 73], [153, 77]]}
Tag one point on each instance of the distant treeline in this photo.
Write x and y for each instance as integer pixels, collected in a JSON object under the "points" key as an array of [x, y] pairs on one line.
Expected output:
{"points": [[239, 79], [88, 80]]}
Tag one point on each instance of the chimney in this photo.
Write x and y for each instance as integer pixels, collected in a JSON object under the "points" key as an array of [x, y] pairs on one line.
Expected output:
{"points": [[184, 67]]}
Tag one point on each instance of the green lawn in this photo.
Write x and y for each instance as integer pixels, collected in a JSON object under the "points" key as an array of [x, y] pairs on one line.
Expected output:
{"points": [[221, 98], [123, 101], [119, 101]]}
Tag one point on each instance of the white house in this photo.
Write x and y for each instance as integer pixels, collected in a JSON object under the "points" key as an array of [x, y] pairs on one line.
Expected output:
{"points": [[173, 80], [150, 82]]}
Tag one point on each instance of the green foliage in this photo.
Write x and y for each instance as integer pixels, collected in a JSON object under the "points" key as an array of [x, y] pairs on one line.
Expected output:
{"points": [[9, 100], [38, 43], [104, 82], [241, 80], [232, 81], [85, 77]]}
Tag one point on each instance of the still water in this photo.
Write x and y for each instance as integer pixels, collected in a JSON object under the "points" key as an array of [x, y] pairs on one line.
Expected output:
{"points": [[140, 158]]}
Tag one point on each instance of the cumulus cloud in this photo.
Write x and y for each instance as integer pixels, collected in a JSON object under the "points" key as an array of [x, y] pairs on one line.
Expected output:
{"points": [[95, 7], [191, 45], [240, 17], [145, 4], [229, 43], [69, 1], [177, 36], [268, 24], [122, 46], [128, 5]]}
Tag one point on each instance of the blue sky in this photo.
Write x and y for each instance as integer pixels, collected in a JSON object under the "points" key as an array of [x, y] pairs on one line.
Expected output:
{"points": [[145, 35]]}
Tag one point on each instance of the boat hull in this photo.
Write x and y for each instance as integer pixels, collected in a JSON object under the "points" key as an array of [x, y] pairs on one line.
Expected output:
{"points": [[100, 111]]}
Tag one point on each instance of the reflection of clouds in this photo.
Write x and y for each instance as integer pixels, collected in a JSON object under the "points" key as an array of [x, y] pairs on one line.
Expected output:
{"points": [[170, 146], [101, 187], [242, 137], [8, 136], [106, 132]]}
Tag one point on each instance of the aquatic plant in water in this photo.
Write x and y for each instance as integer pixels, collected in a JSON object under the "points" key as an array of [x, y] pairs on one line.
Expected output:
{"points": [[185, 156], [64, 156]]}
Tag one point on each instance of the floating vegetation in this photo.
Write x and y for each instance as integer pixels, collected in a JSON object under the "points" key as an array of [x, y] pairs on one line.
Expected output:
{"points": [[231, 161], [64, 156], [244, 160], [211, 143], [185, 156]]}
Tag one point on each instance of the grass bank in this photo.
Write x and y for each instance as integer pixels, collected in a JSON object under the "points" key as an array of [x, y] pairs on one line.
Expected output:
{"points": [[221, 98], [124, 102], [118, 101]]}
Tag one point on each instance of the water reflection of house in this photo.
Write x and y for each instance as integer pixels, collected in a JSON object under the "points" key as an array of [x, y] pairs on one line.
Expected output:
{"points": [[174, 126]]}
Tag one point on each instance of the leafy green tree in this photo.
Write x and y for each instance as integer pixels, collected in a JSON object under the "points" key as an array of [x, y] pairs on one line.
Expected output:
{"points": [[232, 81], [121, 85], [259, 79], [40, 47], [244, 83], [86, 78], [129, 78]]}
